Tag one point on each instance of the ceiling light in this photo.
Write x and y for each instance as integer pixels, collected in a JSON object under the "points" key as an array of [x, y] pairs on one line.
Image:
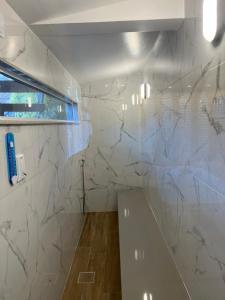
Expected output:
{"points": [[210, 19], [145, 91]]}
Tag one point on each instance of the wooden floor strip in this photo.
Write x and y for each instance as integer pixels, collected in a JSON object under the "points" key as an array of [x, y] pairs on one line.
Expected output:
{"points": [[98, 251]]}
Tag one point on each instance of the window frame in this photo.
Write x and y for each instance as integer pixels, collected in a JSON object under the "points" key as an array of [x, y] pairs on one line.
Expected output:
{"points": [[22, 77]]}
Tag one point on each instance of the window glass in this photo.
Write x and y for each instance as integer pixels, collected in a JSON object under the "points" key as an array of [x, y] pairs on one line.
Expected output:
{"points": [[19, 100]]}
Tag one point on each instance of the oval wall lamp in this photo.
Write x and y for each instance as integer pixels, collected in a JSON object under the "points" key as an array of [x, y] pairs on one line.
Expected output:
{"points": [[210, 19], [213, 20]]}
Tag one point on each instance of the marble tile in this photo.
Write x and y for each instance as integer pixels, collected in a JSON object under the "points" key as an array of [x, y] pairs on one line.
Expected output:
{"points": [[112, 158], [23, 49], [40, 218], [183, 147], [173, 146]]}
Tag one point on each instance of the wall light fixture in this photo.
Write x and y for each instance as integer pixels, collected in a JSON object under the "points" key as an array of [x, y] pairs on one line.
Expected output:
{"points": [[210, 19]]}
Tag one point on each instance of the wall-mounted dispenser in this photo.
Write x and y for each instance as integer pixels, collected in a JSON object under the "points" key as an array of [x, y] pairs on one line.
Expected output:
{"points": [[16, 163], [11, 158]]}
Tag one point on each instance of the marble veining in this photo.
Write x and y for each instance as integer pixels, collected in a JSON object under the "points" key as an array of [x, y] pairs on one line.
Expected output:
{"points": [[112, 158], [40, 218], [183, 143], [173, 145]]}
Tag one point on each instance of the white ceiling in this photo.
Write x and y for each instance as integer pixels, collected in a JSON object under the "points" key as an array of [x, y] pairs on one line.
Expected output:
{"points": [[94, 57], [102, 38], [36, 10], [128, 10]]}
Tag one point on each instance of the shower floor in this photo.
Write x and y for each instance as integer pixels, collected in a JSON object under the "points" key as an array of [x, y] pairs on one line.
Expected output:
{"points": [[95, 273]]}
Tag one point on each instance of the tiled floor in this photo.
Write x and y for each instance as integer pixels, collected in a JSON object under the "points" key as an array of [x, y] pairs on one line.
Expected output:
{"points": [[98, 252]]}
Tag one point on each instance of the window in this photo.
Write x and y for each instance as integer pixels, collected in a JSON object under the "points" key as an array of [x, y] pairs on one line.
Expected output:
{"points": [[21, 99]]}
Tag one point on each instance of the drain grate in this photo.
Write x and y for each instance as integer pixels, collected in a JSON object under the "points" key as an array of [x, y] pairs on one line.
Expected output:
{"points": [[86, 277]]}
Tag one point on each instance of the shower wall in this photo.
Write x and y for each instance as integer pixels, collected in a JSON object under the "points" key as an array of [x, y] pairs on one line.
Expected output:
{"points": [[40, 219], [23, 49], [173, 146], [112, 158], [183, 146], [175, 142]]}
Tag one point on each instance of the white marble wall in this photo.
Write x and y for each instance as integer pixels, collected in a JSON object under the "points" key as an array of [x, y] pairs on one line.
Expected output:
{"points": [[175, 141], [113, 155], [40, 219], [24, 50], [177, 145], [183, 143]]}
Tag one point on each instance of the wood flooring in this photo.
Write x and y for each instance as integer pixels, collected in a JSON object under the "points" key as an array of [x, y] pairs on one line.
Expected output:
{"points": [[98, 252]]}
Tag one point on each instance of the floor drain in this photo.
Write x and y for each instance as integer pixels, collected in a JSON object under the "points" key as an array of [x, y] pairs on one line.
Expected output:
{"points": [[86, 277]]}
